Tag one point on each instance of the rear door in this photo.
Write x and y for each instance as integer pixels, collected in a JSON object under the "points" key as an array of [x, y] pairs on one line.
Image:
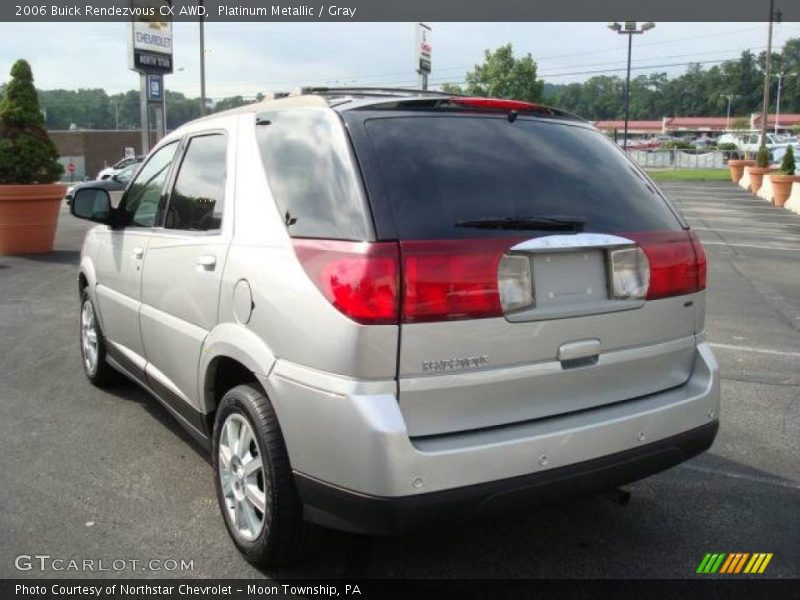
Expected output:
{"points": [[509, 229]]}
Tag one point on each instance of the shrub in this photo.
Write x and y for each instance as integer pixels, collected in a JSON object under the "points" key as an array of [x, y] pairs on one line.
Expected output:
{"points": [[727, 146], [762, 158], [787, 164], [27, 154], [677, 145]]}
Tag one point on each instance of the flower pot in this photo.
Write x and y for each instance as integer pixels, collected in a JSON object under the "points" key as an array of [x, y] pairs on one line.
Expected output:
{"points": [[28, 217], [782, 187], [757, 177], [737, 166]]}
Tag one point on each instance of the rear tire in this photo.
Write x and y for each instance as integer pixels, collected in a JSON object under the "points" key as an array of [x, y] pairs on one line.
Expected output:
{"points": [[93, 346], [254, 483]]}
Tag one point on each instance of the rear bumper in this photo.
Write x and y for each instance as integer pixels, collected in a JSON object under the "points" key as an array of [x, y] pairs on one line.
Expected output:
{"points": [[351, 450], [344, 509]]}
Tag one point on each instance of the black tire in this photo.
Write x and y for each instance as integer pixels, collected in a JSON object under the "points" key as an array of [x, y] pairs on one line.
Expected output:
{"points": [[285, 537], [103, 375]]}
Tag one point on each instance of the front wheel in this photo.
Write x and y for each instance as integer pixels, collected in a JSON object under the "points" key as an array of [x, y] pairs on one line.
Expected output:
{"points": [[93, 348], [254, 483]]}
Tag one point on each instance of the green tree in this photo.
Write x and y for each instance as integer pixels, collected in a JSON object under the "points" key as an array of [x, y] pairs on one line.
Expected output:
{"points": [[787, 164], [27, 154], [502, 75]]}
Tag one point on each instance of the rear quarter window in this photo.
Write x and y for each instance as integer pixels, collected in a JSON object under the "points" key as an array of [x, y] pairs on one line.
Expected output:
{"points": [[438, 170], [312, 174]]}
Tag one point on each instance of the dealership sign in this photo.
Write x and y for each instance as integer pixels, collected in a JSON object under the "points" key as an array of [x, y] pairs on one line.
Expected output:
{"points": [[151, 38], [424, 49]]}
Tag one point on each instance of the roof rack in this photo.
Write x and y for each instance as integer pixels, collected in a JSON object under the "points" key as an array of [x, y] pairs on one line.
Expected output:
{"points": [[370, 91]]}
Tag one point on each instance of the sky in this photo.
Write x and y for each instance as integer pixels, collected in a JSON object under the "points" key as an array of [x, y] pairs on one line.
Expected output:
{"points": [[247, 58]]}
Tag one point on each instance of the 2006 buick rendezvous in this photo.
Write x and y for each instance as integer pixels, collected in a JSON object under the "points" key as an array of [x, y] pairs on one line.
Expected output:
{"points": [[379, 307]]}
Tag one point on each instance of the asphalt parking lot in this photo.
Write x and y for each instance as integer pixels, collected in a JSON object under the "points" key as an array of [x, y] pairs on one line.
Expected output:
{"points": [[92, 474]]}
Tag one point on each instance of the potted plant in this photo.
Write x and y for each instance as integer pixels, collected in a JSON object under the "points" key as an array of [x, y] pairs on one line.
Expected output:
{"points": [[29, 199], [762, 168], [783, 180], [736, 164]]}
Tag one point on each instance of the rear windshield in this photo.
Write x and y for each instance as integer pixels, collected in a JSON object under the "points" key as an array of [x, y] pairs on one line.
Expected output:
{"points": [[441, 171]]}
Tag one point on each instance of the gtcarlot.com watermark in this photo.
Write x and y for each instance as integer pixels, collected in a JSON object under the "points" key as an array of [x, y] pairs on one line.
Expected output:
{"points": [[46, 562]]}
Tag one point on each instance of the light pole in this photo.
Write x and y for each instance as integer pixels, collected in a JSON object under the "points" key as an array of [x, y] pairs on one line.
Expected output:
{"points": [[630, 29], [762, 147], [728, 113], [202, 66], [780, 77]]}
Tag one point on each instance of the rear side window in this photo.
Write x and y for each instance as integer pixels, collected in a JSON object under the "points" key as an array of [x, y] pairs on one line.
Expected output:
{"points": [[439, 171], [197, 199], [312, 174]]}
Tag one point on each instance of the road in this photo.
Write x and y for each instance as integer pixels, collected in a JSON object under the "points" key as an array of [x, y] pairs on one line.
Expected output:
{"points": [[90, 474]]}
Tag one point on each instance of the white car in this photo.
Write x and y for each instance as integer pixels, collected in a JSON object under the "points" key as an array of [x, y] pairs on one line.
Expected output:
{"points": [[118, 166], [751, 142]]}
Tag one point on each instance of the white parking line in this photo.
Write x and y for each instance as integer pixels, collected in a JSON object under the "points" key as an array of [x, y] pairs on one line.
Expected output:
{"points": [[754, 478], [733, 219], [710, 193], [746, 231], [756, 350], [783, 248], [730, 211]]}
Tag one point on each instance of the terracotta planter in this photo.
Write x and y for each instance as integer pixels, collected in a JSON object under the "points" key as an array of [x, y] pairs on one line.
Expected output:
{"points": [[757, 177], [782, 187], [737, 166], [28, 217]]}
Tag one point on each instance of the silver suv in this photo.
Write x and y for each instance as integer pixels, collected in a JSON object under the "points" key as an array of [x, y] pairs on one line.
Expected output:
{"points": [[378, 309]]}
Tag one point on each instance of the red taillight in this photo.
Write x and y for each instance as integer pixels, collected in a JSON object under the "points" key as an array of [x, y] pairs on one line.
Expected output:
{"points": [[494, 103], [700, 256], [677, 262], [358, 278], [451, 279]]}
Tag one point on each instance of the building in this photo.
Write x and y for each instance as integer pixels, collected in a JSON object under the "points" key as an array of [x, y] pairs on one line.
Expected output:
{"points": [[91, 150], [695, 125]]}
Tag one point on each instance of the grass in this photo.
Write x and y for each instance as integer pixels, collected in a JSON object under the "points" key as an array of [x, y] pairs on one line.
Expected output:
{"points": [[689, 174]]}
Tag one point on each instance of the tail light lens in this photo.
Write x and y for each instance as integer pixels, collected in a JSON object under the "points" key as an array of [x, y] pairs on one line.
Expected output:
{"points": [[494, 103], [451, 279], [471, 279], [629, 274], [677, 262], [515, 283], [358, 278], [700, 257]]}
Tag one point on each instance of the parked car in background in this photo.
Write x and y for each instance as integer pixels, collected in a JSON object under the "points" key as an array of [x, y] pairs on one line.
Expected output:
{"points": [[116, 183], [703, 142], [729, 138], [751, 142], [118, 166]]}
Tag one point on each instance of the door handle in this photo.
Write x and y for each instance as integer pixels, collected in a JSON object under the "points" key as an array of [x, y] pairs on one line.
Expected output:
{"points": [[138, 253], [207, 262]]}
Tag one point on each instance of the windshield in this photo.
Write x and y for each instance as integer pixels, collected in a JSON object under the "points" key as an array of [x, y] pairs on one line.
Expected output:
{"points": [[442, 171]]}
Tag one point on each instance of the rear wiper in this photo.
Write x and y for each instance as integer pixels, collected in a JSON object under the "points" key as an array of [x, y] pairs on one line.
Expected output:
{"points": [[554, 223]]}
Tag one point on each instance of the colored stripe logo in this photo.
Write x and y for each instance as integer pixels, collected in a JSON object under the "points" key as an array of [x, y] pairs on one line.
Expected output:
{"points": [[734, 563]]}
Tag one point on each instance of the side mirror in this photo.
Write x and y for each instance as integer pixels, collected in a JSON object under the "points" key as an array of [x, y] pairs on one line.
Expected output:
{"points": [[92, 204]]}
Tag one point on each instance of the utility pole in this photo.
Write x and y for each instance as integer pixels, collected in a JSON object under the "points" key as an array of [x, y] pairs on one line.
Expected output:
{"points": [[728, 113], [202, 66], [630, 29], [780, 77], [767, 60]]}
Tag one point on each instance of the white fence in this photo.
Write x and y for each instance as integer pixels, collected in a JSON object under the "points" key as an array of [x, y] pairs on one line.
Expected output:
{"points": [[681, 159]]}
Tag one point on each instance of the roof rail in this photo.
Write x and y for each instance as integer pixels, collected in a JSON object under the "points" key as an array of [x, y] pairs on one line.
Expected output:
{"points": [[370, 91]]}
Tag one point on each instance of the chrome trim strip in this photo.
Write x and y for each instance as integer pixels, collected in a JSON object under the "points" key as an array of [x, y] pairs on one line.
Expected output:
{"points": [[578, 241]]}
